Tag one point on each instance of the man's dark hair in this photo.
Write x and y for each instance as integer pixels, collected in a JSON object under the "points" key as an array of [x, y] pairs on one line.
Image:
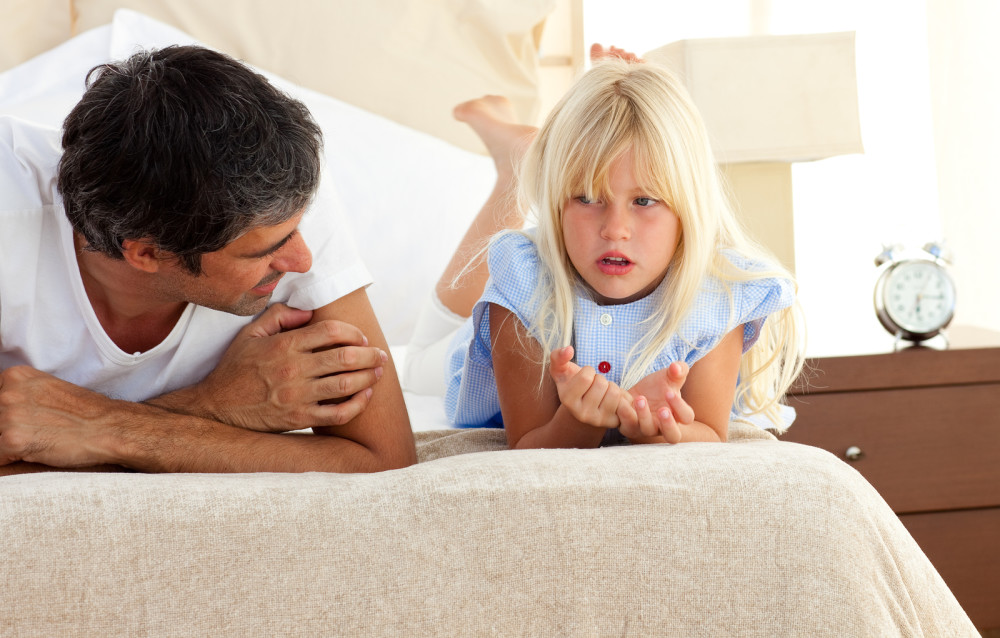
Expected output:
{"points": [[188, 147]]}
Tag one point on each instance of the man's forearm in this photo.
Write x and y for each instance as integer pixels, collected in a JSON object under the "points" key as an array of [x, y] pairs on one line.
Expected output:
{"points": [[21, 467], [51, 422], [170, 442], [184, 401]]}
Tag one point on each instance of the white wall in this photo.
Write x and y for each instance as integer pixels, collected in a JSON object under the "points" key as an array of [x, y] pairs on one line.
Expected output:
{"points": [[845, 207], [965, 78]]}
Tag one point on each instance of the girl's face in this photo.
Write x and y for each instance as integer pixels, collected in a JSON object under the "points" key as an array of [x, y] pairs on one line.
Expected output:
{"points": [[620, 247]]}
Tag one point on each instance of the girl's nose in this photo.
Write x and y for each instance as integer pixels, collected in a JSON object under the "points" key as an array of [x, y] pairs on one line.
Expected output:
{"points": [[617, 225]]}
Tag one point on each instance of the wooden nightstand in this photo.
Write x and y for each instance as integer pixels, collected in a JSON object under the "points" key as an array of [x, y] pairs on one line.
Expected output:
{"points": [[923, 426]]}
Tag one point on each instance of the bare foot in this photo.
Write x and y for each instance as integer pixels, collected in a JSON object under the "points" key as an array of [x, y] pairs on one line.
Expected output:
{"points": [[493, 119], [598, 52]]}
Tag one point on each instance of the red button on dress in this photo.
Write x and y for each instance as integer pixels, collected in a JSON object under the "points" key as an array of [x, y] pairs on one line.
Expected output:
{"points": [[604, 367]]}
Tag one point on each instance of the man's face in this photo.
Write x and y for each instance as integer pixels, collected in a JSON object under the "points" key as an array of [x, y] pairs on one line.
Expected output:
{"points": [[240, 278]]}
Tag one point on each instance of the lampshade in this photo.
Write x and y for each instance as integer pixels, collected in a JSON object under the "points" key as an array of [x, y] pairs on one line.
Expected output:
{"points": [[784, 98], [768, 101]]}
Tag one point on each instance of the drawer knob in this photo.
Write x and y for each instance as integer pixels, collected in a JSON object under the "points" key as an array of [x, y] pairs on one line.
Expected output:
{"points": [[854, 453]]}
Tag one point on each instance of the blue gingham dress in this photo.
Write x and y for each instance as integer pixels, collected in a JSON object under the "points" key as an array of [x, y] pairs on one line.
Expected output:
{"points": [[603, 335]]}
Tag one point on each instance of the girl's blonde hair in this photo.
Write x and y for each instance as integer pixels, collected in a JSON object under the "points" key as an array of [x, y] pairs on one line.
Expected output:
{"points": [[614, 107]]}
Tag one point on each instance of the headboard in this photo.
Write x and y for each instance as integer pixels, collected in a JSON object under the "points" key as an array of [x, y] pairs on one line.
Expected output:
{"points": [[407, 60]]}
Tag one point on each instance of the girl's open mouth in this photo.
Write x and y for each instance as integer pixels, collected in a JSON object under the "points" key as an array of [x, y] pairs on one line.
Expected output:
{"points": [[614, 264], [615, 261]]}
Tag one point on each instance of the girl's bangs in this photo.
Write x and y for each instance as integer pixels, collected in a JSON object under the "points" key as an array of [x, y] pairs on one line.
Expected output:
{"points": [[651, 167], [587, 169]]}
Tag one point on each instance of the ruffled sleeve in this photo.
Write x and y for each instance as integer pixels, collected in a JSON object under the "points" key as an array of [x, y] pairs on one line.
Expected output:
{"points": [[759, 299], [755, 300], [722, 305], [514, 277], [471, 395]]}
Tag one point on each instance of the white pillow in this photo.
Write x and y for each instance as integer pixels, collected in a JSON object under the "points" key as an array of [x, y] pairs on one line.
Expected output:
{"points": [[407, 60], [410, 196], [46, 87]]}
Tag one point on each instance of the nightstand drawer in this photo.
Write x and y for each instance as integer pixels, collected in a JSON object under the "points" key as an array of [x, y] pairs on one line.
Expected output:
{"points": [[963, 547], [923, 449]]}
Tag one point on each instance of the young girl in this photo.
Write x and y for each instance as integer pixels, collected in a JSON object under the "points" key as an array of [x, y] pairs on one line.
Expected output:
{"points": [[637, 308]]}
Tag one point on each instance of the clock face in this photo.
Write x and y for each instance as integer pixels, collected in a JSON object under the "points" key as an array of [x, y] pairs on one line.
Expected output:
{"points": [[919, 297]]}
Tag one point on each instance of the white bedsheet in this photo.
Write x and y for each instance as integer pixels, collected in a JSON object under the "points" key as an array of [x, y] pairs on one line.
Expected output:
{"points": [[426, 412]]}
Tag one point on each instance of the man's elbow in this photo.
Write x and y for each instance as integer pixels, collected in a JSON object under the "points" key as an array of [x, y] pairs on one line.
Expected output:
{"points": [[395, 457], [385, 454]]}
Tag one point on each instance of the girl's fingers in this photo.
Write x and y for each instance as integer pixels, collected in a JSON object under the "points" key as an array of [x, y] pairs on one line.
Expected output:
{"points": [[595, 399], [575, 387], [668, 426], [562, 366], [647, 425], [602, 399], [681, 411], [637, 418], [632, 428], [583, 394], [677, 373], [628, 419]]}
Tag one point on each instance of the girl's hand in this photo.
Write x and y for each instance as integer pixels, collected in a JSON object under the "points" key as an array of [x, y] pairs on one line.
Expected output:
{"points": [[589, 396], [659, 406], [639, 422]]}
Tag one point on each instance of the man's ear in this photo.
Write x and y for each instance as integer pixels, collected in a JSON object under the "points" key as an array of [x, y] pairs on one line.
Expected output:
{"points": [[142, 254]]}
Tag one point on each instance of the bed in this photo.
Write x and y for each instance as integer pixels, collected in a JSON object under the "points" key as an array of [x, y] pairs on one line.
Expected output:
{"points": [[753, 538]]}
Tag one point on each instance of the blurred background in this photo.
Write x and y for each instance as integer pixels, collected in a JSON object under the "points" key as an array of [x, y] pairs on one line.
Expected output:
{"points": [[928, 96]]}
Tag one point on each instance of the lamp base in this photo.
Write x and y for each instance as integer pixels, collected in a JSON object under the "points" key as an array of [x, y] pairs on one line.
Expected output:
{"points": [[761, 195]]}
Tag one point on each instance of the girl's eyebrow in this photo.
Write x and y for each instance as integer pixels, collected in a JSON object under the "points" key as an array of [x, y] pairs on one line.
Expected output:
{"points": [[273, 249]]}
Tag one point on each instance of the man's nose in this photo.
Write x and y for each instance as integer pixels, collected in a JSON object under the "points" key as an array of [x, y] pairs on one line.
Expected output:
{"points": [[294, 256]]}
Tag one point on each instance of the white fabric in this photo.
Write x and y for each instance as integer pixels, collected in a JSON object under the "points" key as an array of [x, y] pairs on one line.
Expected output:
{"points": [[46, 319], [409, 196], [423, 367]]}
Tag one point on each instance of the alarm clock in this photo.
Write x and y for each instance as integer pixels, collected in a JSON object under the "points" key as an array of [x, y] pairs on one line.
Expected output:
{"points": [[914, 294]]}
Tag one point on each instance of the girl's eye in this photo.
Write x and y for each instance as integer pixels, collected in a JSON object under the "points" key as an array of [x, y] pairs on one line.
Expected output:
{"points": [[583, 200], [644, 201]]}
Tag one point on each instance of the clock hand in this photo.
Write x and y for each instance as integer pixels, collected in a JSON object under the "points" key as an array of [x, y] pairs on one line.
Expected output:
{"points": [[920, 295]]}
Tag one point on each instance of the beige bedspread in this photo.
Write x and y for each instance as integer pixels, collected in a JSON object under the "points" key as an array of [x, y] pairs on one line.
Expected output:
{"points": [[752, 538]]}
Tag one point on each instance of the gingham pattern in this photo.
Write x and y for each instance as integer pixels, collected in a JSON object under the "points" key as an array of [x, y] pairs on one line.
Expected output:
{"points": [[601, 333]]}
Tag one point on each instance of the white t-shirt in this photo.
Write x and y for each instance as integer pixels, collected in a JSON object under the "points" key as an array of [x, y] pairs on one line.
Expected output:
{"points": [[47, 322]]}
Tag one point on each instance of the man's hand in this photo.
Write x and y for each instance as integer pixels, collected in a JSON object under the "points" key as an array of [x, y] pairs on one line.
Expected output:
{"points": [[279, 375], [49, 421]]}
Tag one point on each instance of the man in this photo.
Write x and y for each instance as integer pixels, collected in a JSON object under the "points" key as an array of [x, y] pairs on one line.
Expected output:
{"points": [[185, 201]]}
